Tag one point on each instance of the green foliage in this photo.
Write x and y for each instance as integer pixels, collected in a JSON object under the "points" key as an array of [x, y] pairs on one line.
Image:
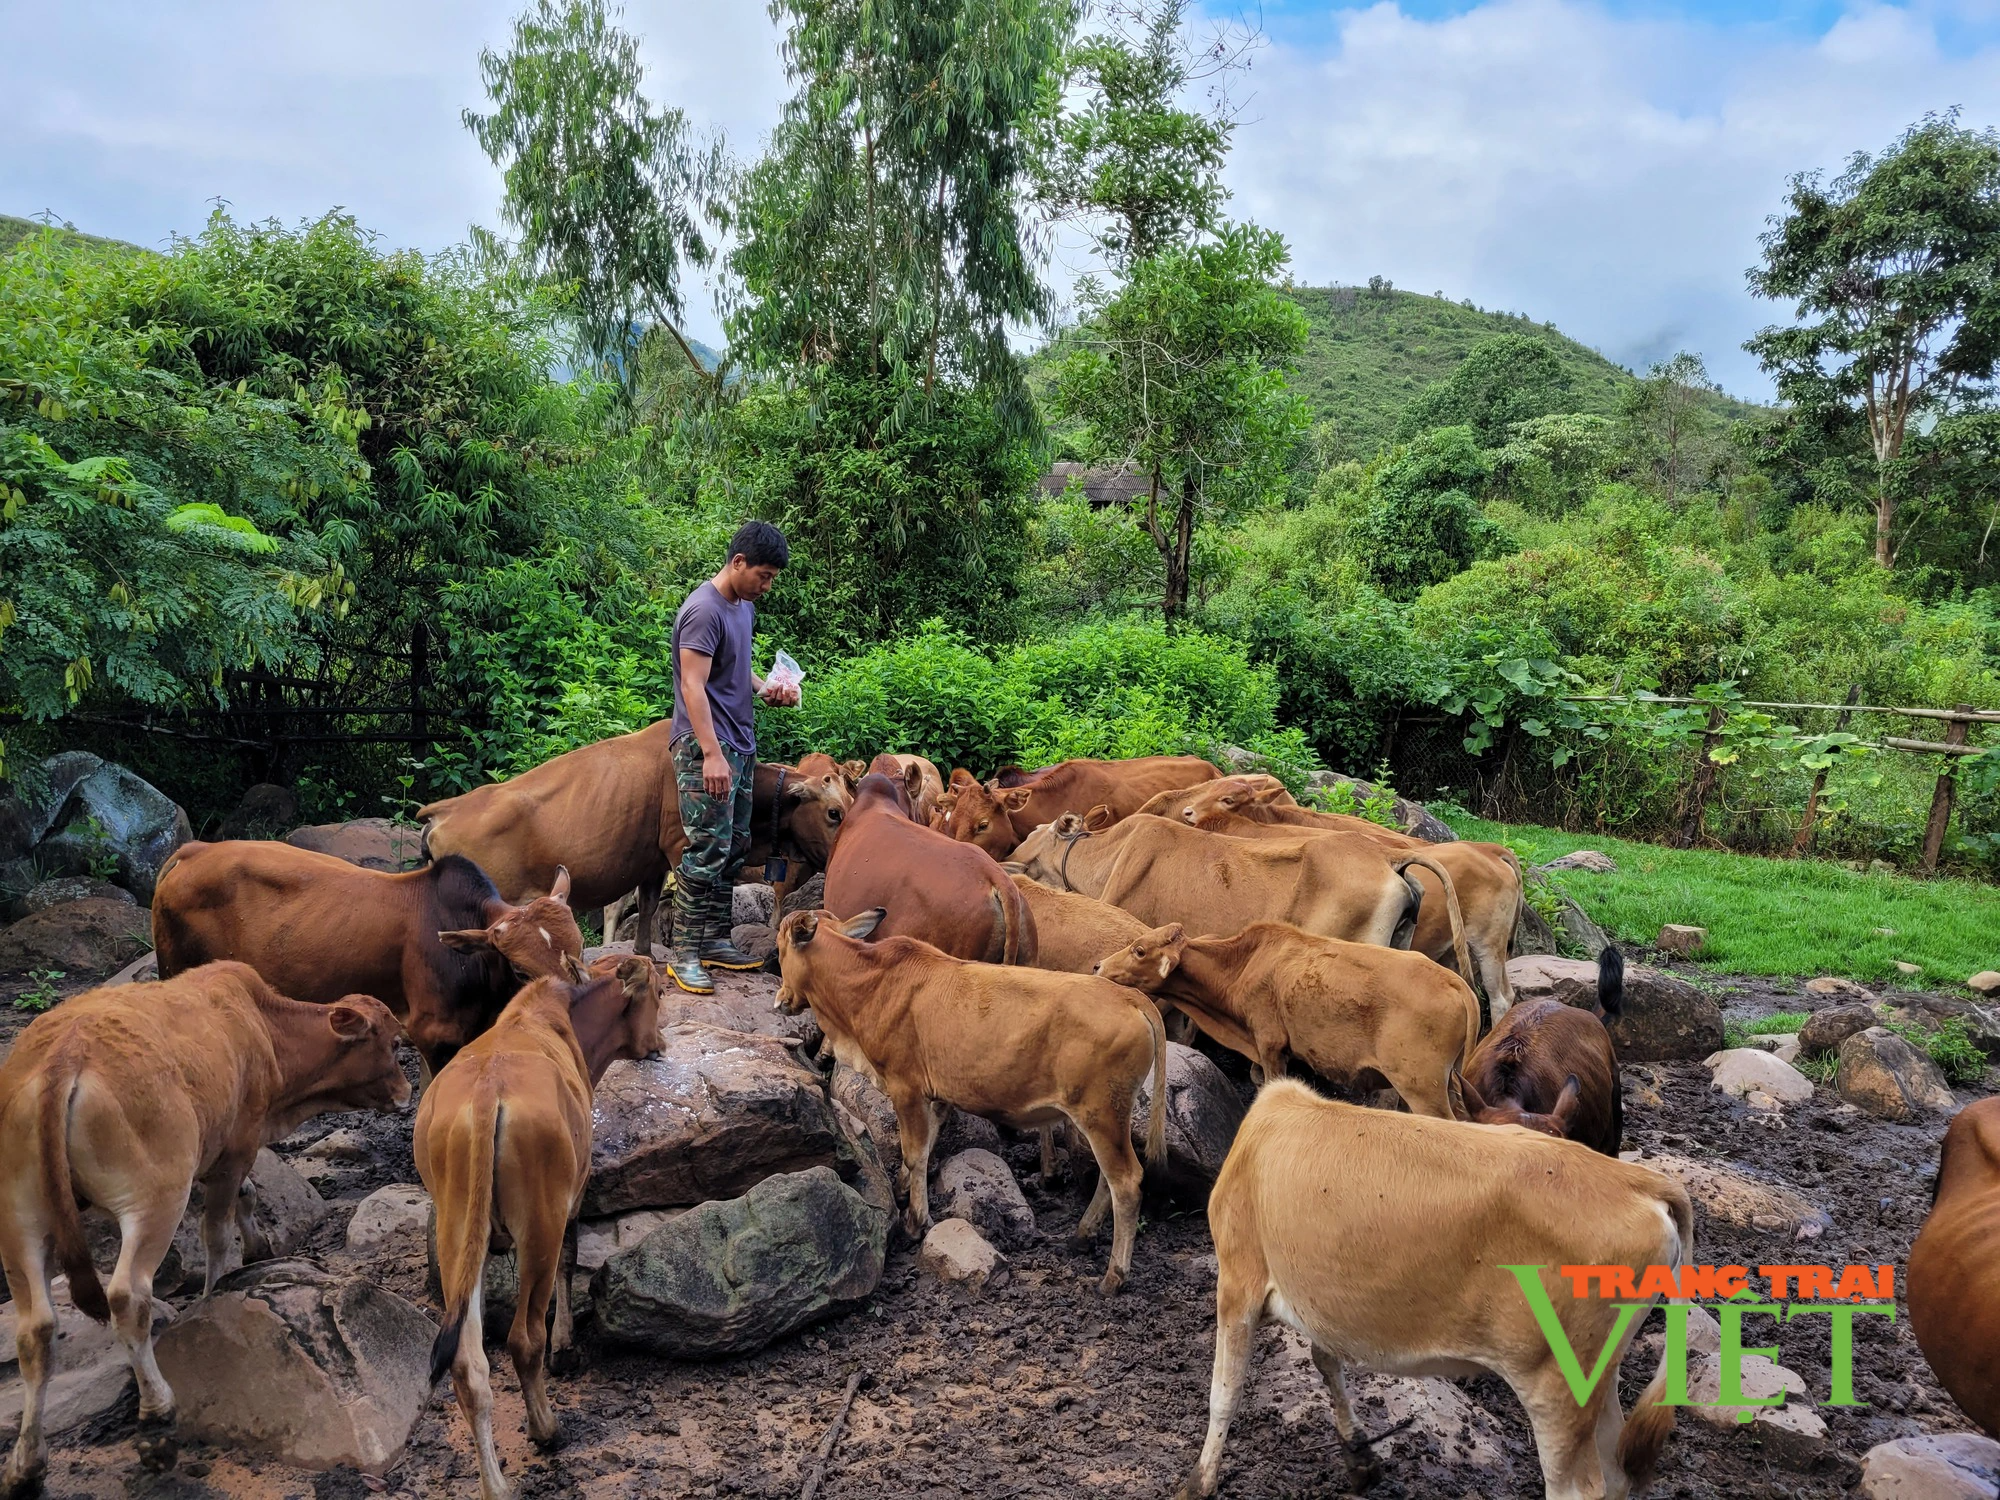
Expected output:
{"points": [[1425, 525], [1505, 379], [1950, 1046], [42, 994]]}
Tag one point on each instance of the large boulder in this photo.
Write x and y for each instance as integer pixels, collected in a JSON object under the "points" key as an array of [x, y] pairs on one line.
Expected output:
{"points": [[41, 796], [1203, 1111], [265, 812], [1665, 1019], [1574, 931], [372, 843], [957, 1131], [753, 903], [92, 936], [1884, 1075], [1736, 1198], [114, 816], [313, 1368], [1792, 1434], [1825, 1030], [714, 1113], [955, 1252], [1933, 1012], [1593, 861], [809, 895], [1748, 1072], [287, 1212], [729, 1277], [1411, 817], [977, 1186], [1932, 1466], [741, 1002], [91, 1371], [390, 1221], [66, 888]]}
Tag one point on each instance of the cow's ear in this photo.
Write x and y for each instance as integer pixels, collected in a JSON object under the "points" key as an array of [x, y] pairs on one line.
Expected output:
{"points": [[1099, 818], [1466, 1102], [470, 940], [862, 926], [573, 969], [1068, 826], [1567, 1102], [559, 891], [346, 1022], [852, 771], [913, 781], [1268, 789], [804, 925], [1014, 798]]}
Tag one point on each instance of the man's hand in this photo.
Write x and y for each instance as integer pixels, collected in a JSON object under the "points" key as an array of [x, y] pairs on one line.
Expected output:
{"points": [[780, 695], [716, 776]]}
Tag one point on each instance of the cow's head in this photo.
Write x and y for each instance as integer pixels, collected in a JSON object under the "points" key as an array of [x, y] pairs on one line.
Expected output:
{"points": [[641, 985], [942, 809], [796, 953], [363, 1072], [812, 805], [1213, 801], [1148, 960], [1040, 854], [1508, 1111], [983, 816], [538, 939]]}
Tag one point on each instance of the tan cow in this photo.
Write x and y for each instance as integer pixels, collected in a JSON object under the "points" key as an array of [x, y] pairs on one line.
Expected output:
{"points": [[921, 779], [1025, 1047], [125, 1097], [1487, 876], [1383, 1238], [610, 812], [1161, 871], [1073, 932], [1272, 992], [503, 1145], [998, 814]]}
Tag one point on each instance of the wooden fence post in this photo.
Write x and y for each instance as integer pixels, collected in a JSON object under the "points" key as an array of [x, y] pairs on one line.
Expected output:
{"points": [[1946, 792], [1704, 782], [1804, 841]]}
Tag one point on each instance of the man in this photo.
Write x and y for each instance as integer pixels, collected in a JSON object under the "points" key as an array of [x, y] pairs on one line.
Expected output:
{"points": [[715, 748]]}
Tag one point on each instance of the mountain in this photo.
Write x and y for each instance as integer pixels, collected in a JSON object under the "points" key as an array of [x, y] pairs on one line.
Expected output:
{"points": [[13, 230]]}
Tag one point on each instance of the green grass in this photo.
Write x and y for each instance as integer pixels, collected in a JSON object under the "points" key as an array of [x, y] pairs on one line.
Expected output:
{"points": [[1775, 916]]}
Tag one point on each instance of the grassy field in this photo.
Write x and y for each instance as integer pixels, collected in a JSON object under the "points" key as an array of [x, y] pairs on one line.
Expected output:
{"points": [[1775, 916]]}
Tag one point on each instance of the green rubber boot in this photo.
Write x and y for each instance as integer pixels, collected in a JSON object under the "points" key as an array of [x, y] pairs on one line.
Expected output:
{"points": [[718, 948], [690, 926]]}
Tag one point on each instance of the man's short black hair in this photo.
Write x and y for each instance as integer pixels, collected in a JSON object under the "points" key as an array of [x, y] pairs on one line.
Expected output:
{"points": [[760, 544]]}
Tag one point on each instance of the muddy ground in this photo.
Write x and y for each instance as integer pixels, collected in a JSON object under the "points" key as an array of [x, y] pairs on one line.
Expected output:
{"points": [[1043, 1388]]}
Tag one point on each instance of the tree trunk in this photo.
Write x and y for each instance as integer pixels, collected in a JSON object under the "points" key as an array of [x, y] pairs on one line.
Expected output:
{"points": [[1174, 605], [1885, 517]]}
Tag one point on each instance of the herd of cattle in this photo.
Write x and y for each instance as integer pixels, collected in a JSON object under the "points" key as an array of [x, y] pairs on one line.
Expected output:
{"points": [[1020, 949]]}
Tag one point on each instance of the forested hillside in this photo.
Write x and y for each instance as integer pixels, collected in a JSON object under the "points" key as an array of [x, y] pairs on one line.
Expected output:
{"points": [[13, 230]]}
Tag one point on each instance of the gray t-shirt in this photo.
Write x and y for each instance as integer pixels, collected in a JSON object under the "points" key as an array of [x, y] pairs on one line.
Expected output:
{"points": [[711, 625]]}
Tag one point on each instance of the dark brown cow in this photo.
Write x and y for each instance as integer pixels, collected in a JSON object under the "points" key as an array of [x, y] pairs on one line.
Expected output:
{"points": [[951, 895], [1954, 1294], [438, 946], [610, 814], [998, 815], [1551, 1067]]}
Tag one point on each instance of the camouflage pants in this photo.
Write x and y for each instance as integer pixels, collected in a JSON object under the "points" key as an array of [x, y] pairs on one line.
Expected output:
{"points": [[717, 828]]}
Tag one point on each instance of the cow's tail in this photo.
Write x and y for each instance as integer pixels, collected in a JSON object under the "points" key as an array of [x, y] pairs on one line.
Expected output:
{"points": [[1451, 909], [1012, 932], [1610, 982], [1520, 897], [66, 1224], [1652, 1419], [1156, 1117], [464, 1228]]}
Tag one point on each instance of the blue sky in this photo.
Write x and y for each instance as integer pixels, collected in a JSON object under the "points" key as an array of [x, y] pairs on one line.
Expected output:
{"points": [[1604, 164]]}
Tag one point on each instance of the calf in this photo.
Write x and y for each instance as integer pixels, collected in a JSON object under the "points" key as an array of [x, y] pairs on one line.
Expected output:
{"points": [[1272, 992], [438, 945], [1953, 1294], [503, 1145], [998, 815], [951, 895], [1384, 1239], [1025, 1047], [1551, 1067], [126, 1097]]}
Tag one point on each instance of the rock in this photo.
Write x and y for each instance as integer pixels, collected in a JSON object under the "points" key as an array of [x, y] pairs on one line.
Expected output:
{"points": [[755, 939], [597, 1240], [1203, 1111], [91, 1372], [1880, 867], [1442, 1423], [42, 795], [872, 1110], [808, 896], [714, 1113], [1665, 1018], [753, 904], [142, 970], [113, 815], [1932, 1466], [1410, 816], [1676, 937], [1827, 1029], [343, 1146], [1741, 1069], [92, 936], [1533, 937], [1985, 982], [1908, 970], [1883, 931], [1783, 1045], [314, 1368], [977, 1187], [64, 888], [15, 837], [372, 843], [955, 1252], [1591, 860], [1884, 1075], [1576, 926], [265, 812], [390, 1219], [741, 1002], [287, 1212], [1736, 1198], [1831, 986], [1761, 1378], [729, 1277], [1932, 1012]]}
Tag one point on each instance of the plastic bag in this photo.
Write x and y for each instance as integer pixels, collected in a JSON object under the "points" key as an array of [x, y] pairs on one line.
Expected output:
{"points": [[785, 673]]}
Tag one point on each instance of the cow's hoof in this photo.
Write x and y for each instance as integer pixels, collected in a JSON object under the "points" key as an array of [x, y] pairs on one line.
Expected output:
{"points": [[20, 1481], [1363, 1472], [157, 1449], [1112, 1282], [565, 1361], [553, 1443], [1191, 1488]]}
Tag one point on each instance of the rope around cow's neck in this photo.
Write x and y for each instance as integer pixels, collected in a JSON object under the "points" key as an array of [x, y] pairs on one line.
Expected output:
{"points": [[1069, 842]]}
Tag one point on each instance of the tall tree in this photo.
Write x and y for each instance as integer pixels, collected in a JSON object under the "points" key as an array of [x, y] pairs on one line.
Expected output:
{"points": [[606, 191], [1180, 376], [1669, 430], [1506, 378], [1895, 270]]}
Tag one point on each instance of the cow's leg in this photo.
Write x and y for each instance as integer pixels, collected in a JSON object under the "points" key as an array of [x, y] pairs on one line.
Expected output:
{"points": [[145, 1233], [1424, 1096], [916, 1128], [538, 1253], [471, 1377], [1565, 1434], [562, 1330], [1361, 1465], [1109, 1132], [614, 913], [25, 1253], [1239, 1308], [222, 1204], [649, 916], [1491, 963], [1610, 1425]]}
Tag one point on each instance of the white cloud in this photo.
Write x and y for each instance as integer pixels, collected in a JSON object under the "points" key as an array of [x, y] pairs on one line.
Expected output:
{"points": [[1611, 175]]}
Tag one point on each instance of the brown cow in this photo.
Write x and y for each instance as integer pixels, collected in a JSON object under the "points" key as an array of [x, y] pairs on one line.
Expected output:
{"points": [[610, 814], [1487, 876], [920, 779], [998, 815], [125, 1098], [1025, 1047], [1272, 992], [1162, 871], [951, 895], [1385, 1239], [1551, 1067], [437, 946], [503, 1145], [1072, 932], [1954, 1296]]}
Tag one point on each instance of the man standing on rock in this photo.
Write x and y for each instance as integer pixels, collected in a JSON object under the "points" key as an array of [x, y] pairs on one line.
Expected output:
{"points": [[715, 748]]}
